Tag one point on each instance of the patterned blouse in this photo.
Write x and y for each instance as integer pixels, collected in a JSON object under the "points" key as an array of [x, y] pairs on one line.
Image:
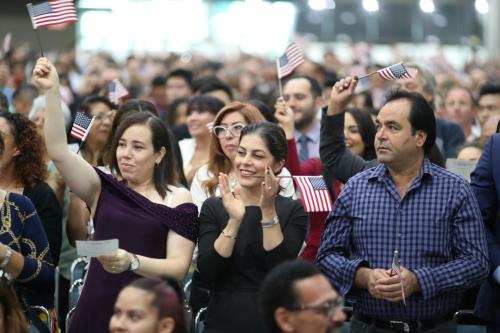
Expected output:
{"points": [[22, 231]]}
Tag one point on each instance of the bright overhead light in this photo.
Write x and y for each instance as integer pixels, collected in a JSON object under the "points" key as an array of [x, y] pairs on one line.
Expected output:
{"points": [[482, 6], [427, 6], [370, 5], [321, 4]]}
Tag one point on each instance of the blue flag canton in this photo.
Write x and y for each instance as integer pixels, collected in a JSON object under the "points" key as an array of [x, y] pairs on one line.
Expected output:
{"points": [[283, 60], [82, 120], [111, 86], [41, 9], [318, 184], [398, 71]]}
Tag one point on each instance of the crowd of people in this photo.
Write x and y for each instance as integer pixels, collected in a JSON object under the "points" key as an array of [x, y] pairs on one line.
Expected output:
{"points": [[192, 173]]}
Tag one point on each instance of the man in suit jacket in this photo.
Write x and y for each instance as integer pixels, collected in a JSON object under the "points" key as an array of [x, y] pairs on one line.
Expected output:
{"points": [[485, 181]]}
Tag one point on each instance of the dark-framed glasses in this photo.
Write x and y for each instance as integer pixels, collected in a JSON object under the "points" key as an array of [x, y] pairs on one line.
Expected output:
{"points": [[327, 308], [221, 131]]}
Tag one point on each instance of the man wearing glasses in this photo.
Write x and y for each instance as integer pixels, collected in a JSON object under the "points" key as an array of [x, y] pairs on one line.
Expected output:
{"points": [[297, 297], [405, 203]]}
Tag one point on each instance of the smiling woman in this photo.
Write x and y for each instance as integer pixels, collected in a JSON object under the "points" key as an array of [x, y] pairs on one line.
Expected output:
{"points": [[154, 221], [249, 231]]}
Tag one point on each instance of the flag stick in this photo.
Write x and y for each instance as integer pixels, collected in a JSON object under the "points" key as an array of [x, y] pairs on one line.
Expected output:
{"points": [[280, 86], [82, 143], [362, 77], [39, 41]]}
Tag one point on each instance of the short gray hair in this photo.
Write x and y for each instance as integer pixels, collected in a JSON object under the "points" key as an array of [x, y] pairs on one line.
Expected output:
{"points": [[428, 80]]}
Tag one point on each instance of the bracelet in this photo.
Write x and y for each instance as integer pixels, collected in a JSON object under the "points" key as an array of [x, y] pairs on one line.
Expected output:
{"points": [[269, 224], [228, 235], [6, 258]]}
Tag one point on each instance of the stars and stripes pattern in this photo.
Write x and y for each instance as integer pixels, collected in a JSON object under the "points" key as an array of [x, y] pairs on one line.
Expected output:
{"points": [[81, 126], [396, 268], [117, 91], [314, 193], [397, 71], [292, 58], [51, 12]]}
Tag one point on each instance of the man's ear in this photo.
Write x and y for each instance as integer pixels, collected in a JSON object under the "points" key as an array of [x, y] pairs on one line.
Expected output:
{"points": [[284, 320], [319, 102], [421, 137]]}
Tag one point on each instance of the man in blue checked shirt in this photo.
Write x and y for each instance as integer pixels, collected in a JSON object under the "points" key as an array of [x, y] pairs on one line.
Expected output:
{"points": [[407, 204]]}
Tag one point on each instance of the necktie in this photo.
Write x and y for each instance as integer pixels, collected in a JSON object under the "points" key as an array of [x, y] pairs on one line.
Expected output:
{"points": [[303, 148]]}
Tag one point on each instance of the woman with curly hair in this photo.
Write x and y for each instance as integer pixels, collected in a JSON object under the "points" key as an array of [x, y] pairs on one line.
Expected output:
{"points": [[24, 250], [24, 171]]}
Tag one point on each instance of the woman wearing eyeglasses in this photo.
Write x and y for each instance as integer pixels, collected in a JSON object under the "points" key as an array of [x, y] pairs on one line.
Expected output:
{"points": [[224, 141], [226, 130], [247, 231]]}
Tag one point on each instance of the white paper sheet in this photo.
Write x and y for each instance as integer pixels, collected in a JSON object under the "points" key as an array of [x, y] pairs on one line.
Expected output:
{"points": [[93, 248]]}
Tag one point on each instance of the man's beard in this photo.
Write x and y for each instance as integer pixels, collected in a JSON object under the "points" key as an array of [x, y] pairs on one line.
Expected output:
{"points": [[305, 121]]}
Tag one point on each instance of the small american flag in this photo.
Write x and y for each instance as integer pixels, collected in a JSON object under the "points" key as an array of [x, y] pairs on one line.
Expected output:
{"points": [[397, 71], [116, 91], [51, 12], [81, 126], [314, 193], [292, 58], [396, 267]]}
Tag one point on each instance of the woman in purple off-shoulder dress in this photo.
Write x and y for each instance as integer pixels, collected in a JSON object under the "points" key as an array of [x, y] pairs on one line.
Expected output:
{"points": [[155, 222]]}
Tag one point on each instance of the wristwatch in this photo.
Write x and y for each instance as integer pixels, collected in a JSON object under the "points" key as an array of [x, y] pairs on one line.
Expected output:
{"points": [[134, 262], [6, 257], [269, 224]]}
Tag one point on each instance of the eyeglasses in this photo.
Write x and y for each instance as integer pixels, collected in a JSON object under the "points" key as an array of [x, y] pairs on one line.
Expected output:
{"points": [[221, 131], [102, 116], [327, 308]]}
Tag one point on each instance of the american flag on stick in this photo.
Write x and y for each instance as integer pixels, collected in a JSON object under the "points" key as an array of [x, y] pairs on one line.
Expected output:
{"points": [[314, 193], [81, 126], [51, 12], [292, 58], [396, 267], [116, 91], [397, 71]]}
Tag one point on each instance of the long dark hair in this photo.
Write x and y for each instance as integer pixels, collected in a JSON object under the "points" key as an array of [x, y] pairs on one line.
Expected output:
{"points": [[164, 173], [133, 106], [367, 131]]}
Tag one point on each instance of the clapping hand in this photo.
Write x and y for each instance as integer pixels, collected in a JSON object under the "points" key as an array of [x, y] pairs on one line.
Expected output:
{"points": [[45, 75], [270, 187], [231, 199]]}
